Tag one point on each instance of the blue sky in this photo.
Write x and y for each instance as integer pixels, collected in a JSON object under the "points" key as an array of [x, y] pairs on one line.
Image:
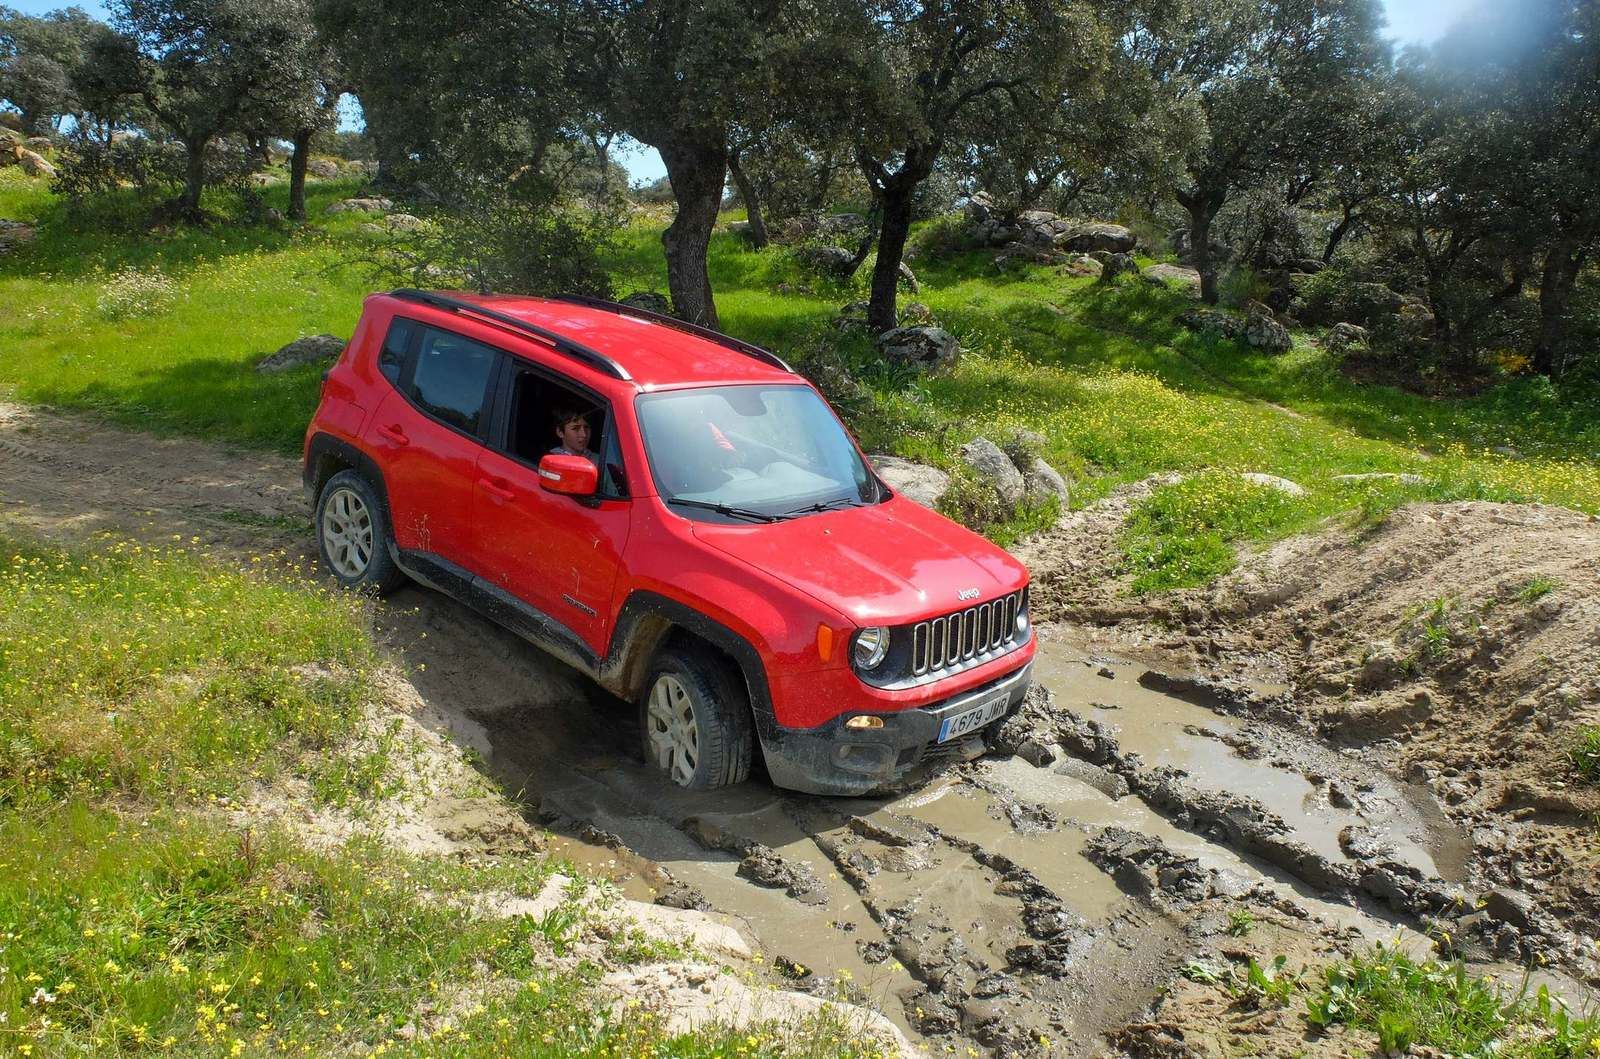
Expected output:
{"points": [[1410, 22]]}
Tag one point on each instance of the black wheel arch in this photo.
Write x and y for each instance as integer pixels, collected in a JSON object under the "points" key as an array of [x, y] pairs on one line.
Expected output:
{"points": [[327, 455]]}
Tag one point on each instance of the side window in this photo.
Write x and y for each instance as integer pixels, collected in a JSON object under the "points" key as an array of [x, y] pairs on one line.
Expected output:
{"points": [[396, 344], [613, 478], [451, 378]]}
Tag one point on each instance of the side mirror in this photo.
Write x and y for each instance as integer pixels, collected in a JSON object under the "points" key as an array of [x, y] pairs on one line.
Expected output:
{"points": [[572, 475]]}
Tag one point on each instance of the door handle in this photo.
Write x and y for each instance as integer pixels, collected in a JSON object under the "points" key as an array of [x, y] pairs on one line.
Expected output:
{"points": [[395, 434], [496, 487]]}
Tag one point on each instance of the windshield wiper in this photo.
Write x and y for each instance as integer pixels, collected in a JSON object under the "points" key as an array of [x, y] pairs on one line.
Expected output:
{"points": [[825, 505], [724, 509]]}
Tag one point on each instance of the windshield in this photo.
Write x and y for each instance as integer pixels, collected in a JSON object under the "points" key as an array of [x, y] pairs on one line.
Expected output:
{"points": [[751, 450]]}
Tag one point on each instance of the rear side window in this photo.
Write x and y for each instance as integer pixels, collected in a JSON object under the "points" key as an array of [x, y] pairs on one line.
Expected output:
{"points": [[451, 378], [396, 344]]}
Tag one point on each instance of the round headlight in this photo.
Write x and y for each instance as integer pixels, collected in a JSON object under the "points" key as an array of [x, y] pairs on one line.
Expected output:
{"points": [[1022, 614], [872, 646]]}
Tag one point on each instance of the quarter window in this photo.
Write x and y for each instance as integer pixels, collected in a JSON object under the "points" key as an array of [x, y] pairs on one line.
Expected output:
{"points": [[451, 378], [396, 344]]}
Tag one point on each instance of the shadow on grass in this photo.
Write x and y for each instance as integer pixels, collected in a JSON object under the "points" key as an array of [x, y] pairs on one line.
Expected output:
{"points": [[116, 234], [215, 399]]}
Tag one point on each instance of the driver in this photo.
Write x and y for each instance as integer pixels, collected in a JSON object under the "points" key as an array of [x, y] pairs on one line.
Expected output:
{"points": [[572, 431]]}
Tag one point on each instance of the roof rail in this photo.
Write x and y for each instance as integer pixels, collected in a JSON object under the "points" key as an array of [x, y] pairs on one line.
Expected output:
{"points": [[563, 344], [748, 349]]}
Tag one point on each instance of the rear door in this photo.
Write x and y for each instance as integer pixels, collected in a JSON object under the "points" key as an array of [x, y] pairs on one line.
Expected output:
{"points": [[556, 553], [427, 437]]}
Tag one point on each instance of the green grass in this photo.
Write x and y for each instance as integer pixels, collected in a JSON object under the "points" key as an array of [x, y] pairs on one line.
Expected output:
{"points": [[1585, 753], [1116, 387], [1537, 588], [1427, 1003]]}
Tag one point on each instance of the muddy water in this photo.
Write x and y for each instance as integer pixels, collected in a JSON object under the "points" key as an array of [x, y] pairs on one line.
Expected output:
{"points": [[1318, 792]]}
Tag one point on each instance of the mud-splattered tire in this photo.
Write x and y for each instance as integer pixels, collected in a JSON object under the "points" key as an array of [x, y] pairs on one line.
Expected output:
{"points": [[694, 720], [353, 535]]}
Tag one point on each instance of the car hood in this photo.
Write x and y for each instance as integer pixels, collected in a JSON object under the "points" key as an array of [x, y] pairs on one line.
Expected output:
{"points": [[885, 564]]}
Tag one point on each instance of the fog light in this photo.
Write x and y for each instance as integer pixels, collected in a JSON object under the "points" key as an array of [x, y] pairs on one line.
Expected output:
{"points": [[863, 721]]}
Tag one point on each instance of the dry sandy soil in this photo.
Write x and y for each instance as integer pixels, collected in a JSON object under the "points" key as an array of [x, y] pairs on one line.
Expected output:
{"points": [[1293, 743]]}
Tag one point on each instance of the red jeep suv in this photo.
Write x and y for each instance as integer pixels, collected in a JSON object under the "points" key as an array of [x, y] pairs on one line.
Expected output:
{"points": [[721, 553]]}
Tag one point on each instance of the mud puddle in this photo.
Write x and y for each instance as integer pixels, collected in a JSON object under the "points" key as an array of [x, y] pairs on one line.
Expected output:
{"points": [[1340, 807]]}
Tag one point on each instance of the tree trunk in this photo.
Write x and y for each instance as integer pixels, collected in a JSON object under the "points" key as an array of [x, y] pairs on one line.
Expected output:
{"points": [[1561, 266], [696, 171], [752, 203], [892, 233], [1336, 235], [194, 178], [1202, 209], [297, 174]]}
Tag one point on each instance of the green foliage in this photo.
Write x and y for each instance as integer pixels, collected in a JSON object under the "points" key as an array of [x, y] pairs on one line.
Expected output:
{"points": [[140, 673], [1585, 753], [1537, 588], [1426, 1003], [1184, 533], [1263, 987], [1241, 921]]}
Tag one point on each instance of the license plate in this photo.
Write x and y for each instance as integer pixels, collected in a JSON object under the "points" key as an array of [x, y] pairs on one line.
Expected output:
{"points": [[971, 720]]}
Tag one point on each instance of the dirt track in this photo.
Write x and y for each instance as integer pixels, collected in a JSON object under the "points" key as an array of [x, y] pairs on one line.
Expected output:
{"points": [[1035, 903]]}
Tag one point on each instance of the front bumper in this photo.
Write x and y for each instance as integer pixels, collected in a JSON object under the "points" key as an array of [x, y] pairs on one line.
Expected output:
{"points": [[835, 760]]}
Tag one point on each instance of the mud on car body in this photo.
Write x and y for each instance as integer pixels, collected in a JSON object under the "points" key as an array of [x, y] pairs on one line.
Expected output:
{"points": [[729, 562]]}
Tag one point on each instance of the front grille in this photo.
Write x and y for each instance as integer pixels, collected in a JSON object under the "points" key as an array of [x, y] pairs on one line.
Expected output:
{"points": [[949, 641]]}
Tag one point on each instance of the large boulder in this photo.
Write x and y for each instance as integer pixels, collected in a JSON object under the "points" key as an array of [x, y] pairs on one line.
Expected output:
{"points": [[1116, 265], [1263, 332], [915, 481], [362, 205], [322, 168], [1098, 235], [835, 260], [995, 468], [313, 349], [1040, 482], [33, 163], [929, 349], [1346, 338], [14, 234], [1213, 320], [650, 301], [1184, 277]]}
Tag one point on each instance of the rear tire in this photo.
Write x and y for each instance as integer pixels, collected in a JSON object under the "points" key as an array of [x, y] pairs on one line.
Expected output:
{"points": [[353, 535], [694, 720]]}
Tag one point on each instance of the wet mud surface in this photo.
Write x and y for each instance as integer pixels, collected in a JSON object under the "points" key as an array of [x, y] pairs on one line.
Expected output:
{"points": [[1041, 900]]}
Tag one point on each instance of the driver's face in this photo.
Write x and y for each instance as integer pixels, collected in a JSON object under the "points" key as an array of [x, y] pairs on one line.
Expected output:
{"points": [[574, 435]]}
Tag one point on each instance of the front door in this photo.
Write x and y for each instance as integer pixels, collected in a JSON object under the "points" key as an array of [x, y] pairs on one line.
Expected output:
{"points": [[554, 552]]}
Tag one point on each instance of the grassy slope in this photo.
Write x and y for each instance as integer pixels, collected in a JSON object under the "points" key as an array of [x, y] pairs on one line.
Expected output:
{"points": [[1117, 389]]}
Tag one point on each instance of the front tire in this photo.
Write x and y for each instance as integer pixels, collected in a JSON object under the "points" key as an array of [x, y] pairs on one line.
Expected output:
{"points": [[694, 717], [353, 535]]}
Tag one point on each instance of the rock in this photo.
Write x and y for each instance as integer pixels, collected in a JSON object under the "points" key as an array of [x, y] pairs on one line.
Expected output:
{"points": [[362, 205], [1263, 332], [831, 259], [1186, 278], [1036, 753], [273, 215], [39, 143], [852, 316], [648, 300], [311, 350], [34, 164], [1511, 907], [979, 208], [1272, 481], [1083, 265], [14, 234], [1346, 337], [322, 168], [914, 314], [1117, 265], [403, 222], [1040, 482], [995, 468], [1098, 235], [909, 278], [1212, 320], [915, 481], [930, 349]]}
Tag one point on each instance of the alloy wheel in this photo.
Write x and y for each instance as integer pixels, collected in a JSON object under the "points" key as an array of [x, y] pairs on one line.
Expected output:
{"points": [[674, 735], [347, 533]]}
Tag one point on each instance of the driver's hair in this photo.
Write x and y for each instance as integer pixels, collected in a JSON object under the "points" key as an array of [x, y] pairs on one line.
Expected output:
{"points": [[562, 414]]}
